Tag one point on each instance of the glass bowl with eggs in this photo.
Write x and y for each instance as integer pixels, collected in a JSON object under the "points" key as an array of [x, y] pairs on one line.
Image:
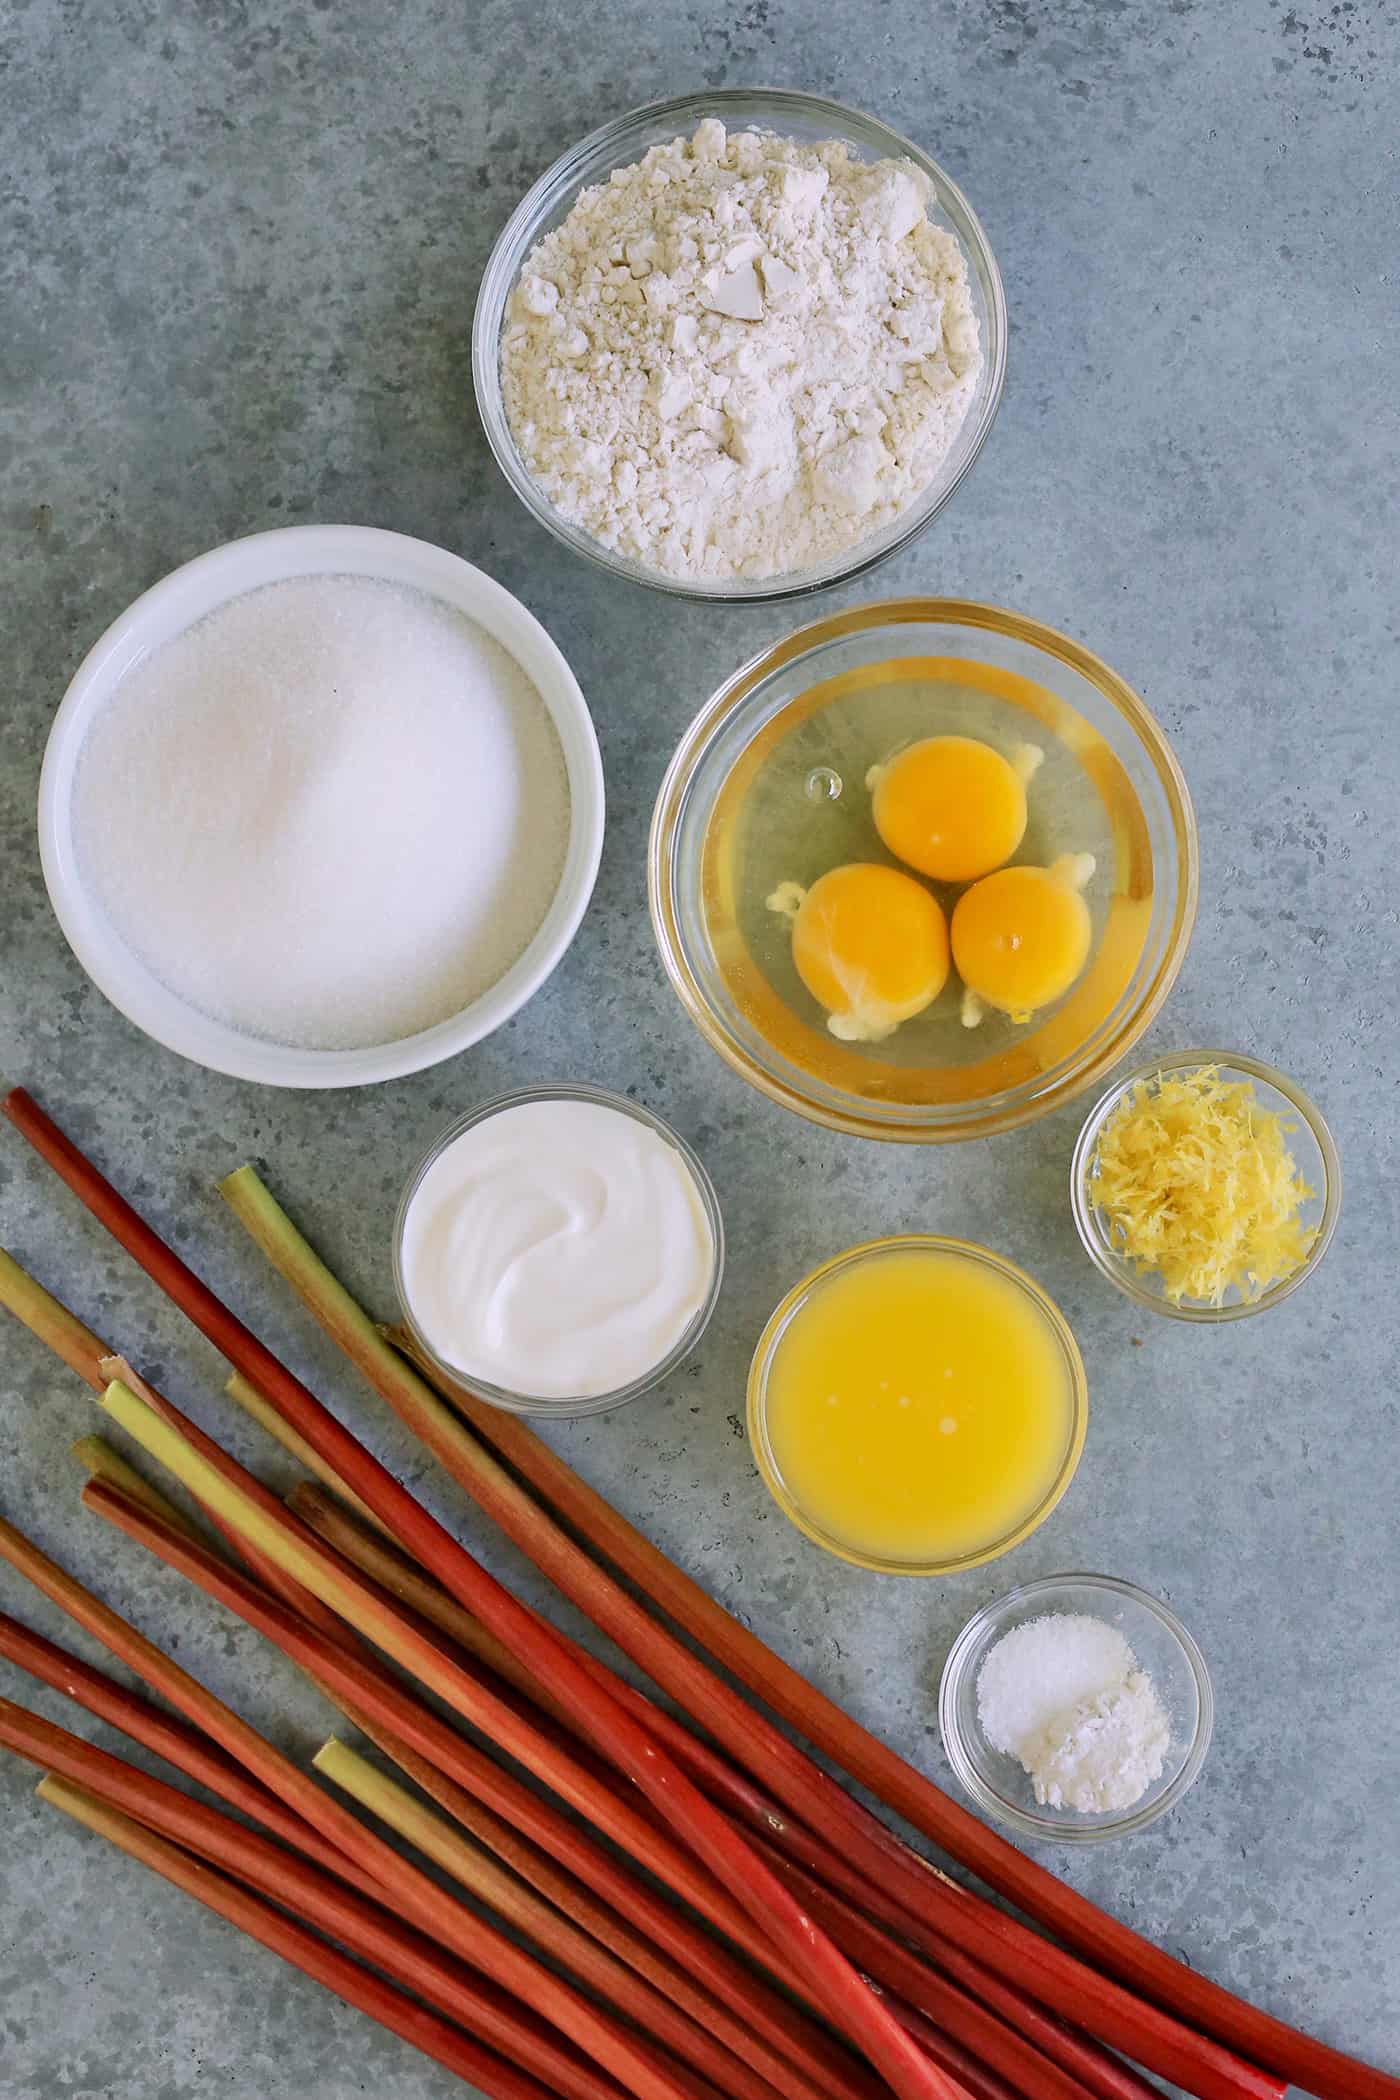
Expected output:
{"points": [[923, 871], [739, 345]]}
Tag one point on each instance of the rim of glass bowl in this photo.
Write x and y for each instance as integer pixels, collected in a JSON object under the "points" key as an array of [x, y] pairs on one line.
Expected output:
{"points": [[867, 1117], [1088, 1219], [1055, 1829], [615, 144], [776, 1327], [600, 1403]]}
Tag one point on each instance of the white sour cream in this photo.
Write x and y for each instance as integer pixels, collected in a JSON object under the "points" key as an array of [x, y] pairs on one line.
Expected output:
{"points": [[558, 1249]]}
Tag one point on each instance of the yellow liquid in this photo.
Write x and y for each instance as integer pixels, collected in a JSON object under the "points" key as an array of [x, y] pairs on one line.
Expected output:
{"points": [[920, 1407]]}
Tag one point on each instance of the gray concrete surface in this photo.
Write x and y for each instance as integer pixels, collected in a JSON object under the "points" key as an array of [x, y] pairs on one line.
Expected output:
{"points": [[240, 247]]}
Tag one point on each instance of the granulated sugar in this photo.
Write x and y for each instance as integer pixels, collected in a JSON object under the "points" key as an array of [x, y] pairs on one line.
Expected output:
{"points": [[332, 813], [741, 355]]}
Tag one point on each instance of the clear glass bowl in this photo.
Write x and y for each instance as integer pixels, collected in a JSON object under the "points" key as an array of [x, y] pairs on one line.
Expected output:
{"points": [[998, 1784], [1097, 731], [811, 119], [1314, 1154], [452, 1375], [791, 1307]]}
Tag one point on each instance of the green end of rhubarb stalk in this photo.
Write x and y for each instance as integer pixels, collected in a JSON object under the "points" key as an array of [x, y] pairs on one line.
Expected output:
{"points": [[385, 1798], [256, 1405], [53, 1324], [413, 1400], [273, 1536], [208, 1486], [412, 1819], [100, 1462], [324, 1296]]}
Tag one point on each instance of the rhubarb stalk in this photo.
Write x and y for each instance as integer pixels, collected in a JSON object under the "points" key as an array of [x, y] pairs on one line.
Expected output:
{"points": [[470, 2061], [715, 1841], [260, 1409], [1101, 2073], [803, 2045], [364, 1927], [1330, 2074], [417, 1898], [554, 1934], [376, 1701], [1295, 2057], [1142, 2030], [188, 1749], [100, 1462]]}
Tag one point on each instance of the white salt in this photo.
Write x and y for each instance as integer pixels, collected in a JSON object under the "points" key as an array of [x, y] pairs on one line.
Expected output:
{"points": [[1041, 1668], [332, 813]]}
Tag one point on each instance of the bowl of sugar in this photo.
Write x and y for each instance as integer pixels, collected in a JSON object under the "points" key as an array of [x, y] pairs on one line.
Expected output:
{"points": [[323, 807]]}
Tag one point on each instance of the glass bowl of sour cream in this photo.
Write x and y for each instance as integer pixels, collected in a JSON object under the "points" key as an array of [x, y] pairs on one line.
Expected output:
{"points": [[558, 1251]]}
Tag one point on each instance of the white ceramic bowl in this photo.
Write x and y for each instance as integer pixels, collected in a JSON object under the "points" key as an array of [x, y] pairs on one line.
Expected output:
{"points": [[174, 604]]}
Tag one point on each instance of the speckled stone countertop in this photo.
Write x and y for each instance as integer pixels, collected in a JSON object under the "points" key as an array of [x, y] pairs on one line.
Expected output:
{"points": [[240, 248]]}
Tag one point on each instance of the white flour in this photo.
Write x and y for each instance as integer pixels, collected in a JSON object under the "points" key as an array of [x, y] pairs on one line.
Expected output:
{"points": [[331, 814], [741, 355], [1064, 1695]]}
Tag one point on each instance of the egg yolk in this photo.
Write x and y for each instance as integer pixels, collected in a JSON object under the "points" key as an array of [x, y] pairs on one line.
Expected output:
{"points": [[1021, 937], [871, 946], [951, 806]]}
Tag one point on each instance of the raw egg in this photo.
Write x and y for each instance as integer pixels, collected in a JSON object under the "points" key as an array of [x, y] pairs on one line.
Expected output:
{"points": [[870, 944], [951, 806], [1021, 937]]}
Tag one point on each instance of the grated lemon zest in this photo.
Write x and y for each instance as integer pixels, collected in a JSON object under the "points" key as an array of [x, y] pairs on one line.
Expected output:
{"points": [[1199, 1187]]}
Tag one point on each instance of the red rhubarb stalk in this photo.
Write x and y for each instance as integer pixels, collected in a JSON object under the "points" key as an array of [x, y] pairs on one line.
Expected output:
{"points": [[558, 1937], [399, 1637], [1294, 2056], [1142, 2030], [472, 2062], [570, 1896], [1086, 1997], [370, 1932], [187, 1749], [378, 1702], [1100, 2072], [958, 2062], [418, 1899], [952, 2010], [729, 1857]]}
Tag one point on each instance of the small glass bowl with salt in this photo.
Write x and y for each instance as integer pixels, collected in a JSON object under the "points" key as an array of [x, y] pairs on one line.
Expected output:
{"points": [[1118, 1746]]}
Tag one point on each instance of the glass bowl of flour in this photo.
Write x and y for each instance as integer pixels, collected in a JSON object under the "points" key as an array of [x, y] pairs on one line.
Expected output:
{"points": [[739, 345], [1076, 1708]]}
